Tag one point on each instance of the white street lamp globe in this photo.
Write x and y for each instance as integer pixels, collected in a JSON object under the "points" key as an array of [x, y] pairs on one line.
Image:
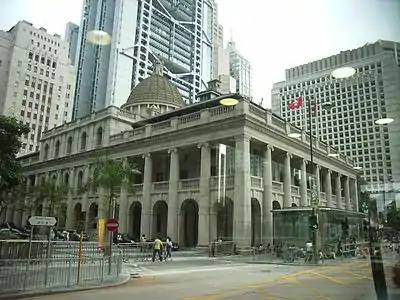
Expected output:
{"points": [[384, 121], [342, 73], [98, 37], [229, 101], [333, 155], [357, 168]]}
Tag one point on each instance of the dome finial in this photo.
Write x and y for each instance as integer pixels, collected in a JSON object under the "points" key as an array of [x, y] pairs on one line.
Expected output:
{"points": [[158, 67]]}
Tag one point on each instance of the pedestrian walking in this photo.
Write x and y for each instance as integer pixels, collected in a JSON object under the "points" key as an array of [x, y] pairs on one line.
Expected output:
{"points": [[157, 249], [168, 246]]}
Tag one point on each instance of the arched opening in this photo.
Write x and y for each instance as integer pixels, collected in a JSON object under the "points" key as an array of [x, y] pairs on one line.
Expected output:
{"points": [[135, 219], [160, 218], [294, 205], [277, 221], [38, 210], [93, 215], [80, 181], [83, 140], [255, 222], [62, 216], [46, 151], [189, 223], [225, 220], [69, 145], [79, 217], [99, 136], [57, 149], [66, 179]]}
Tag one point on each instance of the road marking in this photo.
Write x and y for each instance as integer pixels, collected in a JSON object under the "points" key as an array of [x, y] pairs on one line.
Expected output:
{"points": [[308, 287], [332, 279], [253, 285], [357, 275]]}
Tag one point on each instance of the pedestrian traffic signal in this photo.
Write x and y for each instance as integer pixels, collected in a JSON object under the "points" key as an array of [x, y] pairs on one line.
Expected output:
{"points": [[313, 222]]}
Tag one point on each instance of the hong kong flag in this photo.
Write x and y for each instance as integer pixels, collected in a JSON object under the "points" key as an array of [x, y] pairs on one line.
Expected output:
{"points": [[296, 103]]}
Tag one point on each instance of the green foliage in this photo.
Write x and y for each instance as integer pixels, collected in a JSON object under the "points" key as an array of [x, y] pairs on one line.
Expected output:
{"points": [[111, 175], [11, 131], [363, 201], [51, 192]]}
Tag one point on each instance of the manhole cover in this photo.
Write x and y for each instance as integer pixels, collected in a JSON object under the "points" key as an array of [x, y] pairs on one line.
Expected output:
{"points": [[265, 271]]}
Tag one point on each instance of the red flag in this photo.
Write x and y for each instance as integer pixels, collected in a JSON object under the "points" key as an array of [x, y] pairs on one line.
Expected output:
{"points": [[296, 103], [316, 106]]}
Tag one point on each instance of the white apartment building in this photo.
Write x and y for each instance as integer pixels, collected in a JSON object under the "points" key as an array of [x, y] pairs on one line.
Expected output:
{"points": [[36, 80], [240, 69], [71, 36], [179, 33], [373, 93]]}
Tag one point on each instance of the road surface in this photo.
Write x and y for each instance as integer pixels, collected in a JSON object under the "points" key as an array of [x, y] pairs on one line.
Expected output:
{"points": [[232, 280]]}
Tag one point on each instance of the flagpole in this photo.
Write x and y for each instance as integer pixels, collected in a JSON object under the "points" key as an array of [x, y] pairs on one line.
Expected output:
{"points": [[314, 212]]}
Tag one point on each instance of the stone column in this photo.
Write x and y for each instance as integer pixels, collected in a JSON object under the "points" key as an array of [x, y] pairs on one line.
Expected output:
{"points": [[303, 184], [347, 192], [287, 185], [207, 229], [173, 201], [123, 209], [268, 226], [328, 188], [338, 191], [145, 220], [26, 212], [355, 195], [242, 196], [318, 181], [85, 195], [45, 207], [70, 201], [32, 204]]}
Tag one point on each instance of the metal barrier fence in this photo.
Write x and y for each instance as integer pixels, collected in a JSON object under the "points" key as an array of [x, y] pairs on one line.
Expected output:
{"points": [[139, 251], [19, 249], [33, 274], [223, 248]]}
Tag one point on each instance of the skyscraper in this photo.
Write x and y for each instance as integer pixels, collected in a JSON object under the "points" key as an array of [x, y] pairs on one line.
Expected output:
{"points": [[240, 69], [373, 93], [178, 32], [71, 36], [37, 80]]}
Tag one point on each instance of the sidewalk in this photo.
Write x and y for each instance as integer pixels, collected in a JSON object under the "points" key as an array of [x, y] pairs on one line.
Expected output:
{"points": [[85, 286]]}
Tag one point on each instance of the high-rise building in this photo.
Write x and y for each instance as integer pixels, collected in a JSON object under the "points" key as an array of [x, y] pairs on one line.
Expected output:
{"points": [[373, 93], [71, 36], [220, 56], [179, 33], [37, 80], [240, 69]]}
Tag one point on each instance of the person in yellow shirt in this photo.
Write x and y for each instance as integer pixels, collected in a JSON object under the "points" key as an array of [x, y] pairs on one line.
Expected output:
{"points": [[157, 249]]}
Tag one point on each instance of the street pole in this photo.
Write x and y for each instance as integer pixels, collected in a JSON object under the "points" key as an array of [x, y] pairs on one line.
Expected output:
{"points": [[314, 210], [110, 215], [378, 271]]}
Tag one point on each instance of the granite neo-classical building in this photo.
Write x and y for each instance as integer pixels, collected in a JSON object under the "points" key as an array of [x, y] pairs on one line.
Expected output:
{"points": [[207, 171]]}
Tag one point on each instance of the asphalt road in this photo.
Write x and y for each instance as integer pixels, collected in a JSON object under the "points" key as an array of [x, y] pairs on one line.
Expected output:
{"points": [[222, 279]]}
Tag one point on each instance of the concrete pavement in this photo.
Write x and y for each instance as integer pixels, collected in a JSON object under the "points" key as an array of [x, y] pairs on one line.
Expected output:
{"points": [[212, 279]]}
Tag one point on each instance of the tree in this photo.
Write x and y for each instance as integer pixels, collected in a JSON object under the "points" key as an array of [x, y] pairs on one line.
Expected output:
{"points": [[111, 175], [51, 193], [11, 176], [363, 202], [393, 216]]}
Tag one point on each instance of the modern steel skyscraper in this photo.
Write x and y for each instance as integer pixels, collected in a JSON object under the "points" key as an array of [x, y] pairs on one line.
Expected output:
{"points": [[71, 36], [373, 93], [240, 69], [178, 32]]}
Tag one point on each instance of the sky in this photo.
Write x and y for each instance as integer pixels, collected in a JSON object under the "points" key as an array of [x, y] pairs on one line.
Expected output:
{"points": [[273, 35]]}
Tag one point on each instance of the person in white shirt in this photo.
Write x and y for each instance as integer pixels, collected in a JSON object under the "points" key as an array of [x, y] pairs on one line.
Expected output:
{"points": [[309, 251]]}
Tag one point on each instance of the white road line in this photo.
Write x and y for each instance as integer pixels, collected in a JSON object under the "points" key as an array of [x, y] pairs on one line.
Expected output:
{"points": [[187, 271]]}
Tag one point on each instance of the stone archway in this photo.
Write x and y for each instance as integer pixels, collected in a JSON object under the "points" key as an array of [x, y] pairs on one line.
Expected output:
{"points": [[255, 222], [225, 220], [277, 223], [189, 226], [38, 210], [160, 219], [93, 215], [79, 217], [62, 216], [135, 219]]}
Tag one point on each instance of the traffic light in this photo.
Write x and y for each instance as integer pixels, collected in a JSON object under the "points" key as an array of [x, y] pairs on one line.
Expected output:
{"points": [[313, 222]]}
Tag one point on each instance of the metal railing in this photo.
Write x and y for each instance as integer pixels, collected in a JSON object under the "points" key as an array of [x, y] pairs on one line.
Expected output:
{"points": [[18, 275], [222, 248]]}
